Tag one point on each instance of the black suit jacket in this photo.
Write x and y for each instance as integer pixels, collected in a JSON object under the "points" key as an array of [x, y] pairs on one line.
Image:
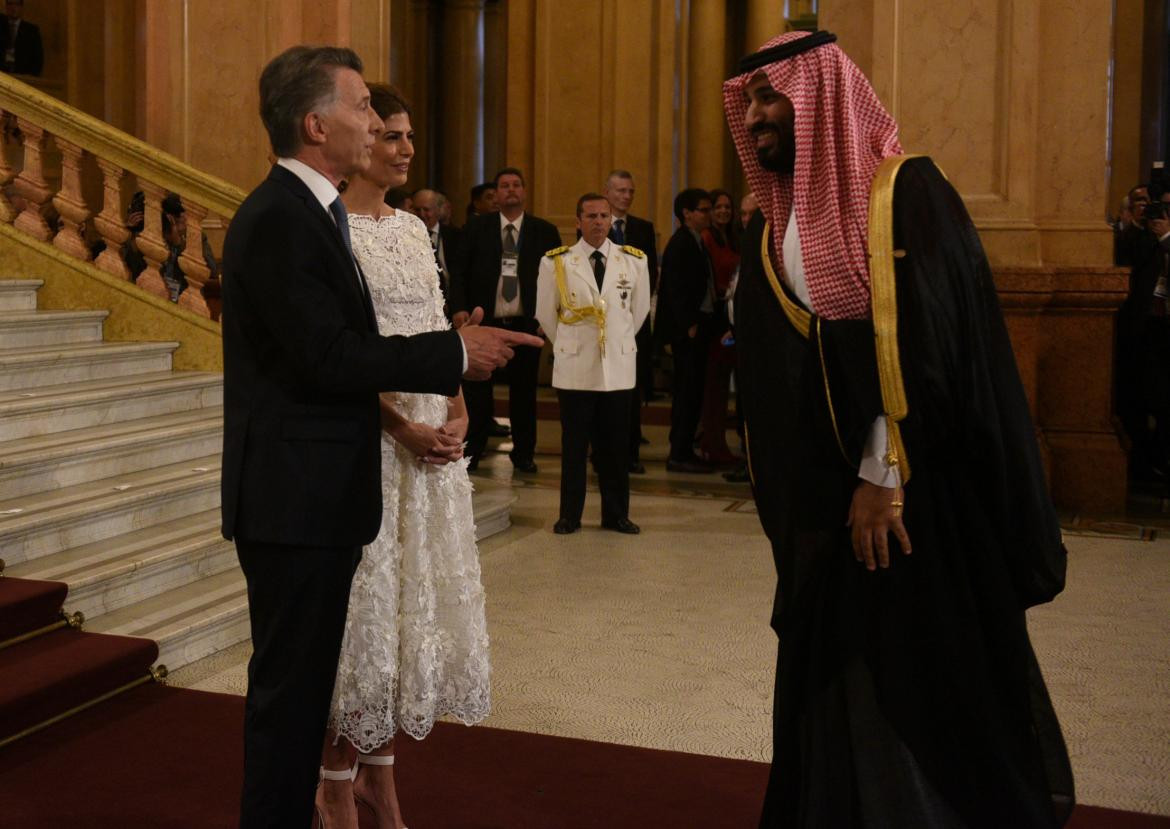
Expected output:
{"points": [[682, 286], [476, 270], [452, 239], [30, 56], [303, 365], [640, 234]]}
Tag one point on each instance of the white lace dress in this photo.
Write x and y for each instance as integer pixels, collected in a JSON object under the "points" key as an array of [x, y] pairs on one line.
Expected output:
{"points": [[416, 643]]}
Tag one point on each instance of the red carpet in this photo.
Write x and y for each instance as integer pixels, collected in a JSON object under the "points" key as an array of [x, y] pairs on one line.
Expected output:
{"points": [[29, 605], [165, 758]]}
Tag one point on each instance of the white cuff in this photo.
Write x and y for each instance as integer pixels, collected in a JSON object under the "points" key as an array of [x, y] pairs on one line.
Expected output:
{"points": [[873, 458], [463, 345]]}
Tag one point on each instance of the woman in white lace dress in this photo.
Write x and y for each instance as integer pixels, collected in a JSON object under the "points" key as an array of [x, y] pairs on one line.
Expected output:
{"points": [[416, 644]]}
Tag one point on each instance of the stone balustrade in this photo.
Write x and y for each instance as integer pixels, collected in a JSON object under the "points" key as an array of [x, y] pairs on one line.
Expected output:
{"points": [[53, 156]]}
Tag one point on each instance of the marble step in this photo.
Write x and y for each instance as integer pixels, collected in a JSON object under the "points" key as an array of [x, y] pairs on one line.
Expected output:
{"points": [[491, 503], [117, 572], [19, 329], [79, 405], [45, 523], [189, 622], [44, 462], [19, 294], [26, 368]]}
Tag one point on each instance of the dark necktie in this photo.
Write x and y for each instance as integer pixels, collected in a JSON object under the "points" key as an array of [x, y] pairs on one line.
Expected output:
{"points": [[618, 231], [342, 218], [511, 283], [598, 267]]}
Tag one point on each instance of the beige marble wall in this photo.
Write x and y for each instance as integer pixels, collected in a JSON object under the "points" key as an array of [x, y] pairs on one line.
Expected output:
{"points": [[202, 61], [1006, 104], [591, 86]]}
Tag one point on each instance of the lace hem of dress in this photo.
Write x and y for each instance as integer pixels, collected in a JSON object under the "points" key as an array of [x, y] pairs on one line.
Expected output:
{"points": [[368, 733]]}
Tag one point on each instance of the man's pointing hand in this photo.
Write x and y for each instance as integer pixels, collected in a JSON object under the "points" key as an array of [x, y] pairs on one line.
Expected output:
{"points": [[490, 348]]}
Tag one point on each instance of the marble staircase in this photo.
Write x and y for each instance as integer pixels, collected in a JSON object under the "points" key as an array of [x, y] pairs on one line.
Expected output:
{"points": [[109, 481]]}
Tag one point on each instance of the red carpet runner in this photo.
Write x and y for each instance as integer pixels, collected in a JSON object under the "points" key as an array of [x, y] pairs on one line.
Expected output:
{"points": [[164, 758]]}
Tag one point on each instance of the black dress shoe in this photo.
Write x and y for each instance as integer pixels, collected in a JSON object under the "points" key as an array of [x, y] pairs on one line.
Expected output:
{"points": [[739, 475], [636, 468], [528, 466], [499, 430], [622, 525], [565, 526], [694, 466]]}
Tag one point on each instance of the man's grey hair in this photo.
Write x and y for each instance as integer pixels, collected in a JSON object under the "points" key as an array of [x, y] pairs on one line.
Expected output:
{"points": [[296, 82], [618, 174]]}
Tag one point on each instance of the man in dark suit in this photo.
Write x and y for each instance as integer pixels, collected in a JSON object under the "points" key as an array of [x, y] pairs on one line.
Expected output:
{"points": [[687, 319], [445, 238], [20, 42], [496, 269], [303, 365], [630, 230]]}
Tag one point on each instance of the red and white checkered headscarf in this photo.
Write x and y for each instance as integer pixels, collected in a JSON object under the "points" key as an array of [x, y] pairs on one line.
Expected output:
{"points": [[842, 134]]}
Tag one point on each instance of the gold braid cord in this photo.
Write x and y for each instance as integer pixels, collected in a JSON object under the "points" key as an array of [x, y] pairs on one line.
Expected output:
{"points": [[573, 314], [884, 300], [801, 319]]}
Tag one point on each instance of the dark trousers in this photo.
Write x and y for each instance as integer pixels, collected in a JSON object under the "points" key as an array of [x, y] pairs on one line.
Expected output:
{"points": [[297, 602], [520, 375], [600, 418], [643, 387], [690, 368]]}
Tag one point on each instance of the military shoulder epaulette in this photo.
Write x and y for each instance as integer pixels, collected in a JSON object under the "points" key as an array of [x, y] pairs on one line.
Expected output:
{"points": [[633, 251], [563, 249]]}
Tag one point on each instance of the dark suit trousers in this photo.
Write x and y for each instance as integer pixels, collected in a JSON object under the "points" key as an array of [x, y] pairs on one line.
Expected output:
{"points": [[297, 601], [643, 387], [600, 418], [690, 369], [520, 374]]}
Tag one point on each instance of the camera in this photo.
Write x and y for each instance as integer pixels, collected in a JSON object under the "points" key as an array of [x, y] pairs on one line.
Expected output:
{"points": [[1155, 210]]}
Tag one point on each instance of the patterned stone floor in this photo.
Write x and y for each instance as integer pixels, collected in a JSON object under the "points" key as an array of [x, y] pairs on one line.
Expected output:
{"points": [[662, 639]]}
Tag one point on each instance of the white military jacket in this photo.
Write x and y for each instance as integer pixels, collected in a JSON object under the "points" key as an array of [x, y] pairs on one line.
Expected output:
{"points": [[578, 358]]}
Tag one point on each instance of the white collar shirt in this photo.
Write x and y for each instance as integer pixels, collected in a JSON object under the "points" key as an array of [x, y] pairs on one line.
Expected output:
{"points": [[516, 223]]}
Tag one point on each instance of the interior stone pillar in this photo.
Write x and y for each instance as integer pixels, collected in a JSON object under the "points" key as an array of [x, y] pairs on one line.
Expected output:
{"points": [[763, 20], [706, 69], [1018, 121], [460, 118]]}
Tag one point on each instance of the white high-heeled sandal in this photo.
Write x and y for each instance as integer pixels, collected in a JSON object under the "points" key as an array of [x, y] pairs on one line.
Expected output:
{"points": [[371, 760], [339, 775]]}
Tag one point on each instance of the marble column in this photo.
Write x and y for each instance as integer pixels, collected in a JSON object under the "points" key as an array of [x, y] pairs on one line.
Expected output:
{"points": [[460, 118], [706, 140]]}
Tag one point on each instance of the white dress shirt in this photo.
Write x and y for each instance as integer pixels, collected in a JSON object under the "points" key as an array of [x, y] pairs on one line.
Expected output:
{"points": [[873, 457]]}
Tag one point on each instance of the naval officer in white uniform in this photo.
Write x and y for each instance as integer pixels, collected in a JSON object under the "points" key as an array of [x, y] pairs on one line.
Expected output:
{"points": [[591, 299]]}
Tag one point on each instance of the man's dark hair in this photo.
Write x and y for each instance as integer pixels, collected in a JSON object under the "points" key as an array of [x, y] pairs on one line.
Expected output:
{"points": [[387, 100], [689, 200], [509, 171], [293, 84], [172, 209], [396, 197], [589, 197], [478, 190]]}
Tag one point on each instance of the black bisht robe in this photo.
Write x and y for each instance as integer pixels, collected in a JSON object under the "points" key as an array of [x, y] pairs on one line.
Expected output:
{"points": [[907, 697]]}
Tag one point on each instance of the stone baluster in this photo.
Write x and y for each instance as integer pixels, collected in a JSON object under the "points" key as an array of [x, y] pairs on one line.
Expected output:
{"points": [[70, 203], [193, 264], [31, 184], [7, 171], [151, 243], [110, 223]]}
